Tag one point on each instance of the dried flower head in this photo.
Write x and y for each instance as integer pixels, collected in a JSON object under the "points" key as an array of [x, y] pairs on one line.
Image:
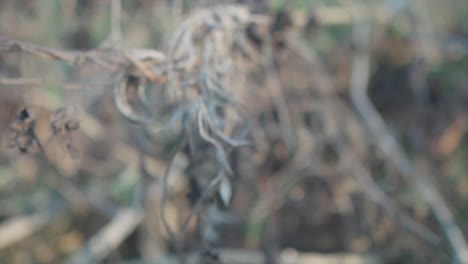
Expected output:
{"points": [[21, 132], [63, 122], [64, 119]]}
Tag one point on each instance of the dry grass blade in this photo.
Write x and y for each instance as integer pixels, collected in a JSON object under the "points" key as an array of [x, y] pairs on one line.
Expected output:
{"points": [[18, 228], [109, 237]]}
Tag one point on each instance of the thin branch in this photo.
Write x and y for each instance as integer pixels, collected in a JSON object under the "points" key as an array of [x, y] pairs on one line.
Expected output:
{"points": [[389, 146], [73, 57], [325, 87]]}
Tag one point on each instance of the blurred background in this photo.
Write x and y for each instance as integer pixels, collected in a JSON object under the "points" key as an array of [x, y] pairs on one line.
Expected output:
{"points": [[353, 114]]}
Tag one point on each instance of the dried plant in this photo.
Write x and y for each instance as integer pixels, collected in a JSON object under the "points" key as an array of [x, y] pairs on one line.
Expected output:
{"points": [[215, 97]]}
